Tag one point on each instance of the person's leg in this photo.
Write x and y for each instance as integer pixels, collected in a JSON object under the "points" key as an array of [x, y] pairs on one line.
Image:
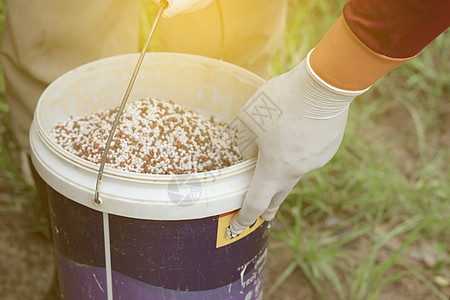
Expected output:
{"points": [[42, 39], [253, 32]]}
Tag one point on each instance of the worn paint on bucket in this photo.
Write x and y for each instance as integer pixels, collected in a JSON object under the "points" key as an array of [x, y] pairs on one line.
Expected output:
{"points": [[154, 236]]}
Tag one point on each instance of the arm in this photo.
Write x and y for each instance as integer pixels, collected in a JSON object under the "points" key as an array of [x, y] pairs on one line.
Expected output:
{"points": [[368, 41]]}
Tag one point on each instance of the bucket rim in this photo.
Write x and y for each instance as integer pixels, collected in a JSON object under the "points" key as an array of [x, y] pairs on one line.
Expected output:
{"points": [[131, 176], [146, 177]]}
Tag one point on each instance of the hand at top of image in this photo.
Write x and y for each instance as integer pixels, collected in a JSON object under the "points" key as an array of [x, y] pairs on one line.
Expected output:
{"points": [[183, 6]]}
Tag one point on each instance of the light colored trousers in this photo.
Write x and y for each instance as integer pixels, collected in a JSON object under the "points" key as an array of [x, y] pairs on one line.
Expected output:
{"points": [[43, 39]]}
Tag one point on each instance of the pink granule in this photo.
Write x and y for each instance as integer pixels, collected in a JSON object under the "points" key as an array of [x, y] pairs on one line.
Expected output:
{"points": [[154, 137]]}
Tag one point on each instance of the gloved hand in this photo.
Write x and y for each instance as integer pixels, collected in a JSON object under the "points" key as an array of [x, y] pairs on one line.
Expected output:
{"points": [[297, 122], [183, 6]]}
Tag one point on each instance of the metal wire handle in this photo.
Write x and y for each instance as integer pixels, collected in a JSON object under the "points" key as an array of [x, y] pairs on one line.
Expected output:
{"points": [[97, 200]]}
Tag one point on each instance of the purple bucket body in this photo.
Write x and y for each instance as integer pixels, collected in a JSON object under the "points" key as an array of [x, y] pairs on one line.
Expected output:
{"points": [[152, 259]]}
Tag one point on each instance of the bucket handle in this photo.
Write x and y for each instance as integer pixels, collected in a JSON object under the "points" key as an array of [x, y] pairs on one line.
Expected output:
{"points": [[97, 200]]}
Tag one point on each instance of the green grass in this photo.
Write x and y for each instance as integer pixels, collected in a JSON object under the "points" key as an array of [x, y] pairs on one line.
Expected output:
{"points": [[10, 172], [308, 21], [387, 183], [390, 175]]}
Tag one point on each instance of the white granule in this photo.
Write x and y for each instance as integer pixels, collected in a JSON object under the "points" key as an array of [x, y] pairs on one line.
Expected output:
{"points": [[154, 137]]}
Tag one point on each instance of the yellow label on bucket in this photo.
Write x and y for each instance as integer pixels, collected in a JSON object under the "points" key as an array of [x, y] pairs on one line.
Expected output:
{"points": [[224, 222]]}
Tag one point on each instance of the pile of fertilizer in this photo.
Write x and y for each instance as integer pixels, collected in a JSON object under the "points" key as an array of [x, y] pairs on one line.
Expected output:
{"points": [[153, 137]]}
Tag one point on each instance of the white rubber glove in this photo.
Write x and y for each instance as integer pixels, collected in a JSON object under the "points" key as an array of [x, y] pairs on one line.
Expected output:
{"points": [[297, 123], [183, 6]]}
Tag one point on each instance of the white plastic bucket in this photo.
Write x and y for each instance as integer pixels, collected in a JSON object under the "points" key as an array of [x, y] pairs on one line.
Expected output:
{"points": [[153, 236]]}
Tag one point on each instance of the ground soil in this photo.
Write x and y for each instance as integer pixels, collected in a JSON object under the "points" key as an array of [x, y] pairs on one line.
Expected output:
{"points": [[26, 260]]}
